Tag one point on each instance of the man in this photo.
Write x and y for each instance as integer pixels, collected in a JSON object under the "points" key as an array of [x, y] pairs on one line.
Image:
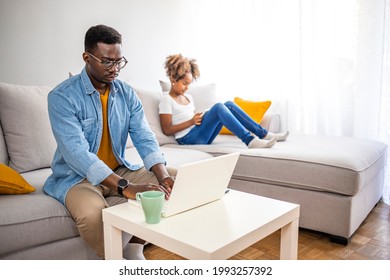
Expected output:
{"points": [[91, 115]]}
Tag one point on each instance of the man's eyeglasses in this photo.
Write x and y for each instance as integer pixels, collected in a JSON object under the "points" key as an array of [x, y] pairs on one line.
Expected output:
{"points": [[108, 64]]}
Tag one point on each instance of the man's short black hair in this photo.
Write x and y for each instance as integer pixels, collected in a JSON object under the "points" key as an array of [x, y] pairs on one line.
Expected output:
{"points": [[101, 34]]}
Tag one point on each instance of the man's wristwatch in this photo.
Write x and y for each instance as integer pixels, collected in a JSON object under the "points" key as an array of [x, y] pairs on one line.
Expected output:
{"points": [[122, 184]]}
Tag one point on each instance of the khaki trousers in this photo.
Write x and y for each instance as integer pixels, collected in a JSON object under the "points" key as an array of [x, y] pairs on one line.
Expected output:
{"points": [[85, 203]]}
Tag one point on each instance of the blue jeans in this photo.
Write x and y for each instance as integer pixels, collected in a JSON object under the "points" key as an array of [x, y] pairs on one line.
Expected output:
{"points": [[229, 115]]}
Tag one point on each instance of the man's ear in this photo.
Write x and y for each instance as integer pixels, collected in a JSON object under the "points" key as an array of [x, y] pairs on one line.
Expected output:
{"points": [[85, 57]]}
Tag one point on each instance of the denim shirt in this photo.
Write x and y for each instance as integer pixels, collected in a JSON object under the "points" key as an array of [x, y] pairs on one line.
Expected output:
{"points": [[76, 118]]}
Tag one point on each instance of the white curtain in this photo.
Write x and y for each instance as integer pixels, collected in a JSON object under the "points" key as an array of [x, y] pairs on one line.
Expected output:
{"points": [[384, 118], [325, 64]]}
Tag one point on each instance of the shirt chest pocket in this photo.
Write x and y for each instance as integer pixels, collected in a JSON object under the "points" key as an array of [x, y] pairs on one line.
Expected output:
{"points": [[89, 127]]}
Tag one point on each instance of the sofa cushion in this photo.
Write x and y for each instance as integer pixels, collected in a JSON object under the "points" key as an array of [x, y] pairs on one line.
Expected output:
{"points": [[341, 165], [165, 86], [174, 157], [205, 96], [3, 148], [26, 127], [37, 213], [37, 178], [150, 100], [255, 109], [11, 182]]}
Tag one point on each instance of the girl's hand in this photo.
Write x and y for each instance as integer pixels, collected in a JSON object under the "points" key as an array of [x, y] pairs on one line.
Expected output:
{"points": [[197, 118]]}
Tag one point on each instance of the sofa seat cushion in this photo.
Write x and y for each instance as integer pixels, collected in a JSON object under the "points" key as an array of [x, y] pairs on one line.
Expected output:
{"points": [[174, 157], [341, 165], [43, 216], [37, 177]]}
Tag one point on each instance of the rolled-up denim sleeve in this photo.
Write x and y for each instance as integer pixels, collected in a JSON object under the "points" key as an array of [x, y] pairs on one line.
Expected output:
{"points": [[153, 159], [97, 172]]}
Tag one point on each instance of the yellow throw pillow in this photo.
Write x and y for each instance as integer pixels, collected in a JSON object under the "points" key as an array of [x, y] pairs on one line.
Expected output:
{"points": [[11, 182], [254, 109]]}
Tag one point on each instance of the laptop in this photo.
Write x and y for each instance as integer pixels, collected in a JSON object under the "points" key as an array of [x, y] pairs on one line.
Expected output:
{"points": [[198, 183]]}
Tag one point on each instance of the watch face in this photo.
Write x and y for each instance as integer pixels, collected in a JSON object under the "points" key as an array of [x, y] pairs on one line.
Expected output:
{"points": [[122, 183]]}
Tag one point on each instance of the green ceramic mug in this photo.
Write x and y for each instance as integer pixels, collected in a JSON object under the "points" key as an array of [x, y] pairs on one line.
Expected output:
{"points": [[152, 203]]}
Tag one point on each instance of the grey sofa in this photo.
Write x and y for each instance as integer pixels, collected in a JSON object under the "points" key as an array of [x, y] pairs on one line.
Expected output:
{"points": [[337, 181], [34, 225]]}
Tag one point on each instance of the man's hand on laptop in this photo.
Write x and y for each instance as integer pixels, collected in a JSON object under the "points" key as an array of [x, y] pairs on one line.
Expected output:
{"points": [[132, 189], [167, 182]]}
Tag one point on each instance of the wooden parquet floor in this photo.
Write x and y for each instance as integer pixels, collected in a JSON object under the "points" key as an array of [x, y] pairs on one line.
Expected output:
{"points": [[371, 241]]}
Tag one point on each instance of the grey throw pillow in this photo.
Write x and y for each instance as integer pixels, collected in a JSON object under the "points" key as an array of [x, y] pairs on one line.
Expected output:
{"points": [[26, 126], [205, 96], [150, 101]]}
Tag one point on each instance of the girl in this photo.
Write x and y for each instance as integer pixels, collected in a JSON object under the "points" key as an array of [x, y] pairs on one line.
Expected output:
{"points": [[178, 117]]}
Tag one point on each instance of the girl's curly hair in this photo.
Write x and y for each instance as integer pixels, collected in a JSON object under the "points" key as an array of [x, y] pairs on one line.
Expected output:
{"points": [[176, 66]]}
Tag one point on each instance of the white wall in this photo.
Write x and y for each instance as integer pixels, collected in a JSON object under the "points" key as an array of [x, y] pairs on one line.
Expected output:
{"points": [[42, 40]]}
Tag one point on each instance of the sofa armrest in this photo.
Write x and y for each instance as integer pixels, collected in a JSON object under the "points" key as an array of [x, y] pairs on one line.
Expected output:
{"points": [[271, 122]]}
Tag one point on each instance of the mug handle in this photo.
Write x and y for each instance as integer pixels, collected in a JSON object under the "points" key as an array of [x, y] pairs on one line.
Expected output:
{"points": [[138, 196]]}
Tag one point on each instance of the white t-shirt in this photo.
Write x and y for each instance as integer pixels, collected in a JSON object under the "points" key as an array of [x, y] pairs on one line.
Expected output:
{"points": [[180, 113]]}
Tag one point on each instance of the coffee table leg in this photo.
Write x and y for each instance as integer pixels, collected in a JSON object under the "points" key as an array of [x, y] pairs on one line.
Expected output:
{"points": [[289, 241], [112, 243]]}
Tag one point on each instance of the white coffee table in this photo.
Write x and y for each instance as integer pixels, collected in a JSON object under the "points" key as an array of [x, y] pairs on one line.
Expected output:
{"points": [[217, 230]]}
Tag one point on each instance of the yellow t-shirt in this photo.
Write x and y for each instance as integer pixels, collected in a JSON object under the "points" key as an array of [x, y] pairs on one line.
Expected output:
{"points": [[105, 152]]}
